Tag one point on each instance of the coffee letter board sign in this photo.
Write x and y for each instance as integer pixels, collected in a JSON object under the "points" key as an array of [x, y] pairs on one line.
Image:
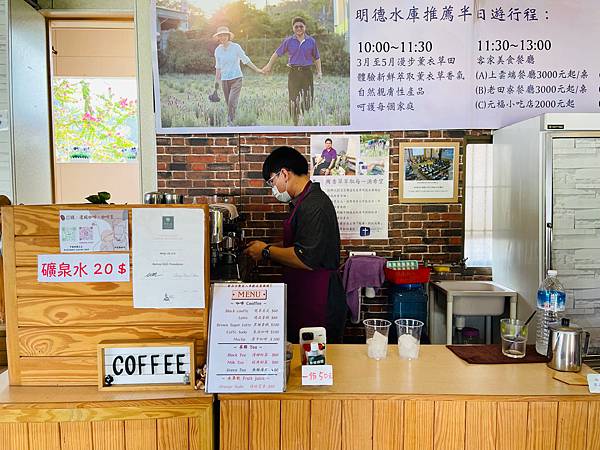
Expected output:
{"points": [[141, 365], [246, 341]]}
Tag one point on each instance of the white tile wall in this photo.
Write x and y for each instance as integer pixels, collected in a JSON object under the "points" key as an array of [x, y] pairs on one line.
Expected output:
{"points": [[576, 231], [6, 185]]}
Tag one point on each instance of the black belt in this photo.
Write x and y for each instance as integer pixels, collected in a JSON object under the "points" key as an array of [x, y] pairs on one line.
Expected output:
{"points": [[299, 68]]}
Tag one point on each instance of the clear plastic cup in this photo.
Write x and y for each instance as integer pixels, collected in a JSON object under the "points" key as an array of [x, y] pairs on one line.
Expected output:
{"points": [[514, 337], [409, 337], [377, 331]]}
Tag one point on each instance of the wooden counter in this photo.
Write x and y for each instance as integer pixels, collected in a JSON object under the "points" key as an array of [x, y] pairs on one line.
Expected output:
{"points": [[83, 418], [436, 402]]}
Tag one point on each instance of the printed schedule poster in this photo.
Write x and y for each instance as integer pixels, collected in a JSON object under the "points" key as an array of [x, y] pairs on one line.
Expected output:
{"points": [[485, 64], [246, 348], [354, 172]]}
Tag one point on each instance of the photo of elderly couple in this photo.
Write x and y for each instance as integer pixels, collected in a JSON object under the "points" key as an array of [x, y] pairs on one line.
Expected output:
{"points": [[252, 63]]}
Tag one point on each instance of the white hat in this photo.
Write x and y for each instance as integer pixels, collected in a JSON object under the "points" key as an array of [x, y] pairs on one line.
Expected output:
{"points": [[223, 30]]}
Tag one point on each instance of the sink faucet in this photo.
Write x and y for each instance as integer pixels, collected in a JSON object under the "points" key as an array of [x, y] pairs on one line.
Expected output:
{"points": [[462, 263]]}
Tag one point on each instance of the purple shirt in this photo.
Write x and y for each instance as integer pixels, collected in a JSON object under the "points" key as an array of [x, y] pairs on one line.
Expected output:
{"points": [[329, 155], [299, 53]]}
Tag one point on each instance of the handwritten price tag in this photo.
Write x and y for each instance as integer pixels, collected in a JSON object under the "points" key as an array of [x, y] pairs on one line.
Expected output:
{"points": [[594, 383], [317, 375]]}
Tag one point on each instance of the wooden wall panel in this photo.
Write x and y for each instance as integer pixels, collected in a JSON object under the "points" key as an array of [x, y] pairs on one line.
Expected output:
{"points": [[593, 428], [101, 310], [13, 436], [357, 424], [234, 426], [172, 434], [388, 425], [109, 435], [418, 424], [27, 286], [44, 436], [76, 341], [140, 434], [449, 425], [541, 425], [512, 425], [572, 425], [480, 425], [28, 248], [67, 320], [75, 435], [54, 371], [326, 425], [295, 424], [265, 424]]}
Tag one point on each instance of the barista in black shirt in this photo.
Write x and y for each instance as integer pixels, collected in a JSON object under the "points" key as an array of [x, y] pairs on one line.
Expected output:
{"points": [[310, 252]]}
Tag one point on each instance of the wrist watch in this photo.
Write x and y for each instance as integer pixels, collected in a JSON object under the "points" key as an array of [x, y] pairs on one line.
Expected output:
{"points": [[266, 253]]}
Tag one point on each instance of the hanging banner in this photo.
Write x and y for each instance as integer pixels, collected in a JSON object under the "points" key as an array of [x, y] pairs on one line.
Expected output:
{"points": [[257, 66], [353, 171]]}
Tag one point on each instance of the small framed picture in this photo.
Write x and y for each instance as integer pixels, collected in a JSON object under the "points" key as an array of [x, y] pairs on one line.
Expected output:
{"points": [[429, 172]]}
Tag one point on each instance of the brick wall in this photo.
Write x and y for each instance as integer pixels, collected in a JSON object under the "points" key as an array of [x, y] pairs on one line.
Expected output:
{"points": [[201, 166]]}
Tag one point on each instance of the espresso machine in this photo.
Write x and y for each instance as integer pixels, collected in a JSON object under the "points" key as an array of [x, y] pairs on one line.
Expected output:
{"points": [[226, 242]]}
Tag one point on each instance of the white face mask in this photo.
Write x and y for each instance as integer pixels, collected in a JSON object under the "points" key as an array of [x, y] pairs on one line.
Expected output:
{"points": [[283, 197]]}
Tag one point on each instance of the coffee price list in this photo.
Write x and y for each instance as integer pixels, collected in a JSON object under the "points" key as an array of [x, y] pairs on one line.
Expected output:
{"points": [[246, 350]]}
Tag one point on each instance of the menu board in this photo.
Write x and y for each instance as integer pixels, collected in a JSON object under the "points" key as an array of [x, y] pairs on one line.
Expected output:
{"points": [[246, 347]]}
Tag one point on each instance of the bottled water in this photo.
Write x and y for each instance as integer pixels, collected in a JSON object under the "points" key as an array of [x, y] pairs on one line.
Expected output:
{"points": [[551, 299]]}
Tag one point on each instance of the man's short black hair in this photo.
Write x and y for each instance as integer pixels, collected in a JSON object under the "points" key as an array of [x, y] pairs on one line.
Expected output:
{"points": [[284, 158], [328, 140], [298, 19]]}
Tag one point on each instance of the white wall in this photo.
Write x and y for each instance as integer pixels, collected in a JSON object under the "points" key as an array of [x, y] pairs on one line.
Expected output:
{"points": [[30, 108], [6, 178]]}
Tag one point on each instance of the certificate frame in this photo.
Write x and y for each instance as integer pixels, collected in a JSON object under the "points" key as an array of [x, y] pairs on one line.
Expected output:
{"points": [[429, 172]]}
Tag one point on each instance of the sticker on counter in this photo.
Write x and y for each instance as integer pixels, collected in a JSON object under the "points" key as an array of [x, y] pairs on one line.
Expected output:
{"points": [[94, 230], [317, 375], [83, 268], [594, 383]]}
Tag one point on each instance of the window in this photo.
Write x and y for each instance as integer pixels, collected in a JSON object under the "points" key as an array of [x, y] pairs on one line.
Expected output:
{"points": [[478, 205]]}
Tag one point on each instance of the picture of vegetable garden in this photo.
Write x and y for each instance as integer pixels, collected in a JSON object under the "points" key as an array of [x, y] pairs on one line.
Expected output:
{"points": [[185, 63]]}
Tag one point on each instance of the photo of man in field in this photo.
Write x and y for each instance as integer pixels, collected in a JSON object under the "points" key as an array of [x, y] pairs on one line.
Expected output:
{"points": [[290, 68]]}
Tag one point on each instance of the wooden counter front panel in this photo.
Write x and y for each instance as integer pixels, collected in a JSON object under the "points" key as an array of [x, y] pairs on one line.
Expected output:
{"points": [[392, 424], [53, 329], [152, 425]]}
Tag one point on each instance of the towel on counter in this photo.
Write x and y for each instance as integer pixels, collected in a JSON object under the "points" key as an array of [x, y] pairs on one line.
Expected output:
{"points": [[359, 272]]}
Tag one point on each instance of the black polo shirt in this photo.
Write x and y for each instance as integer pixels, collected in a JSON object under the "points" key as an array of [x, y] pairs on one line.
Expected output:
{"points": [[316, 230]]}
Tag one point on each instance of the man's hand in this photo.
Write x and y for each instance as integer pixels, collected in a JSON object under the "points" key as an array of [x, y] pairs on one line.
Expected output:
{"points": [[319, 75], [254, 250], [266, 70]]}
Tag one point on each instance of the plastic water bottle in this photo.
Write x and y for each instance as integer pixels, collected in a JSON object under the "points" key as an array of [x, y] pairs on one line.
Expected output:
{"points": [[551, 300]]}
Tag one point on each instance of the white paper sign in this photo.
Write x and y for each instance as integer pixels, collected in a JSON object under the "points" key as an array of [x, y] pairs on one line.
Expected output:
{"points": [[594, 383], [147, 365], [83, 268], [356, 179], [168, 257], [247, 338], [317, 375], [94, 230]]}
